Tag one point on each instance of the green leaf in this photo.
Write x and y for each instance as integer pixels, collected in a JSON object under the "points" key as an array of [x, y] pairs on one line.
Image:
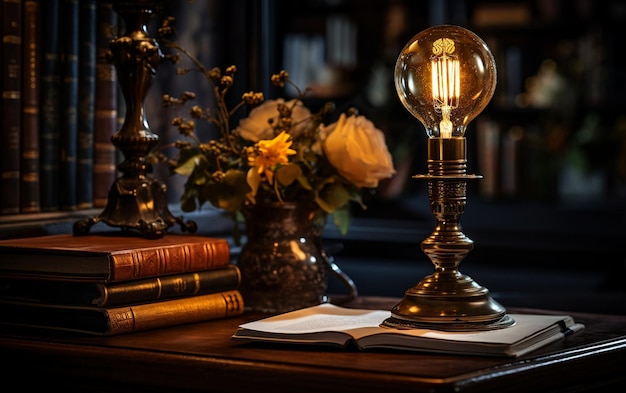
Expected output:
{"points": [[190, 161], [287, 174], [253, 179], [342, 218], [230, 193], [332, 196], [189, 197], [304, 182]]}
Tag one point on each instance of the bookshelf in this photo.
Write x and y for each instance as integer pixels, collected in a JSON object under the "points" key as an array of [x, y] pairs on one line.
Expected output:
{"points": [[543, 146], [60, 162]]}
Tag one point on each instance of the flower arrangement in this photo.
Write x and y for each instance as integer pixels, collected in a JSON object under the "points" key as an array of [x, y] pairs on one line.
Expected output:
{"points": [[281, 152]]}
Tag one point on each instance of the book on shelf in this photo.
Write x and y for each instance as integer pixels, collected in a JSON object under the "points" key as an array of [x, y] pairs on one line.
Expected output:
{"points": [[69, 104], [108, 321], [29, 166], [106, 104], [86, 103], [11, 14], [331, 325], [72, 293], [110, 256], [50, 105]]}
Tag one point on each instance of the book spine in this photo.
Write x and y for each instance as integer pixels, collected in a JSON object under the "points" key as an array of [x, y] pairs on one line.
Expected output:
{"points": [[69, 105], [72, 293], [104, 159], [50, 106], [86, 95], [29, 192], [169, 287], [11, 105], [174, 312], [175, 259]]}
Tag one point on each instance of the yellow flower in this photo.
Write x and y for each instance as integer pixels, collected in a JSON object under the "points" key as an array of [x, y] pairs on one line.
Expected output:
{"points": [[270, 153]]}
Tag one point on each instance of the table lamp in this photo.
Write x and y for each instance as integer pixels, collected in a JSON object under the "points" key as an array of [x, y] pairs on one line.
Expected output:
{"points": [[445, 76]]}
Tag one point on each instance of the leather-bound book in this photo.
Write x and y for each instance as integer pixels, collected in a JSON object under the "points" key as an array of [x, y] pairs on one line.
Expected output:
{"points": [[11, 105], [50, 106], [106, 103], [29, 192], [96, 294], [110, 256], [86, 100], [69, 104], [110, 321]]}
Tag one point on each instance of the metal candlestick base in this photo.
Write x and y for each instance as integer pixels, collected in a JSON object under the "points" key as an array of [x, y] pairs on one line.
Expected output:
{"points": [[135, 200], [448, 300]]}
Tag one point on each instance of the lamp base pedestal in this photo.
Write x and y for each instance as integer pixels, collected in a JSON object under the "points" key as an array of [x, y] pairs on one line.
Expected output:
{"points": [[137, 204], [448, 302], [397, 323]]}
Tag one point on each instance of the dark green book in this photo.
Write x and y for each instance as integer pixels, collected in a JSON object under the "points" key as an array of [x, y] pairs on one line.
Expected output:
{"points": [[86, 103], [69, 104], [130, 292], [50, 106]]}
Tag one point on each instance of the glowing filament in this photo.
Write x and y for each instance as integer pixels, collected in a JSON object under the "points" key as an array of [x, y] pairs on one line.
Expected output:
{"points": [[445, 82]]}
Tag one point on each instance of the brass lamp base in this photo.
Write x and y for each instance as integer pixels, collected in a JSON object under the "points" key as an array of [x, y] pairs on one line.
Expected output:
{"points": [[448, 300]]}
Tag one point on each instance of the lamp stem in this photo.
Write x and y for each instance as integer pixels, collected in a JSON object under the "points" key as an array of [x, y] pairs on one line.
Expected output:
{"points": [[447, 299]]}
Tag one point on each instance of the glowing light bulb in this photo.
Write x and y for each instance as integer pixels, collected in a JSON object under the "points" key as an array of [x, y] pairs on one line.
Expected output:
{"points": [[445, 76]]}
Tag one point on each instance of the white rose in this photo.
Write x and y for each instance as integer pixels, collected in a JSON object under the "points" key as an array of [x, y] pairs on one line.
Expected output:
{"points": [[357, 149], [256, 126]]}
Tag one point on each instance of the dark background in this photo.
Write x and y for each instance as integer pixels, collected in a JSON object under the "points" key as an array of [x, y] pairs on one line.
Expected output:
{"points": [[552, 234], [548, 217]]}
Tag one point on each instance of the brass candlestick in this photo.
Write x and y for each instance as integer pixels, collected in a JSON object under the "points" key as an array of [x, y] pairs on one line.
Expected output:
{"points": [[136, 201], [445, 76]]}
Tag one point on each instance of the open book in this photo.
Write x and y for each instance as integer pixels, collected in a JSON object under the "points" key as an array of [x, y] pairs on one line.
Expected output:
{"points": [[327, 324]]}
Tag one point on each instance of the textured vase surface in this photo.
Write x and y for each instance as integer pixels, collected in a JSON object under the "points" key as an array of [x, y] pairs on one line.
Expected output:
{"points": [[283, 265]]}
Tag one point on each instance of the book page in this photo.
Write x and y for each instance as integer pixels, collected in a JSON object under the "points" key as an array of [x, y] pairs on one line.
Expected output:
{"points": [[324, 317]]}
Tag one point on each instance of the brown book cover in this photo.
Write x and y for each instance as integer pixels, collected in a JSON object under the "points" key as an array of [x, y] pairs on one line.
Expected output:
{"points": [[124, 319], [104, 154], [72, 293], [11, 105], [29, 192], [110, 256]]}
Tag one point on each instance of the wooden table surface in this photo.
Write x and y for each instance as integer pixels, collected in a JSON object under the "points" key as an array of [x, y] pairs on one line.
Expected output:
{"points": [[201, 357]]}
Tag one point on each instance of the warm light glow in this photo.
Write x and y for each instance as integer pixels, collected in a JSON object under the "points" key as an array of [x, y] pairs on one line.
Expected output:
{"points": [[445, 76], [445, 82]]}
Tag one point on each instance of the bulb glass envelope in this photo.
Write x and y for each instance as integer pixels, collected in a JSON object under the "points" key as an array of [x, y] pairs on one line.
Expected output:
{"points": [[445, 76]]}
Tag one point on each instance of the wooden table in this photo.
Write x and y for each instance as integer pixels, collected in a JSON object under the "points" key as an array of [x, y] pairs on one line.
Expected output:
{"points": [[201, 357]]}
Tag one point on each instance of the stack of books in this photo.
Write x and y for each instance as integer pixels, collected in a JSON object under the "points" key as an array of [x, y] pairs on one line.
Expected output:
{"points": [[108, 284]]}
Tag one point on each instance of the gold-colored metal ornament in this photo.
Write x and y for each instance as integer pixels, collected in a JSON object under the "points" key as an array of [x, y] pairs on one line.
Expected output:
{"points": [[136, 200]]}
